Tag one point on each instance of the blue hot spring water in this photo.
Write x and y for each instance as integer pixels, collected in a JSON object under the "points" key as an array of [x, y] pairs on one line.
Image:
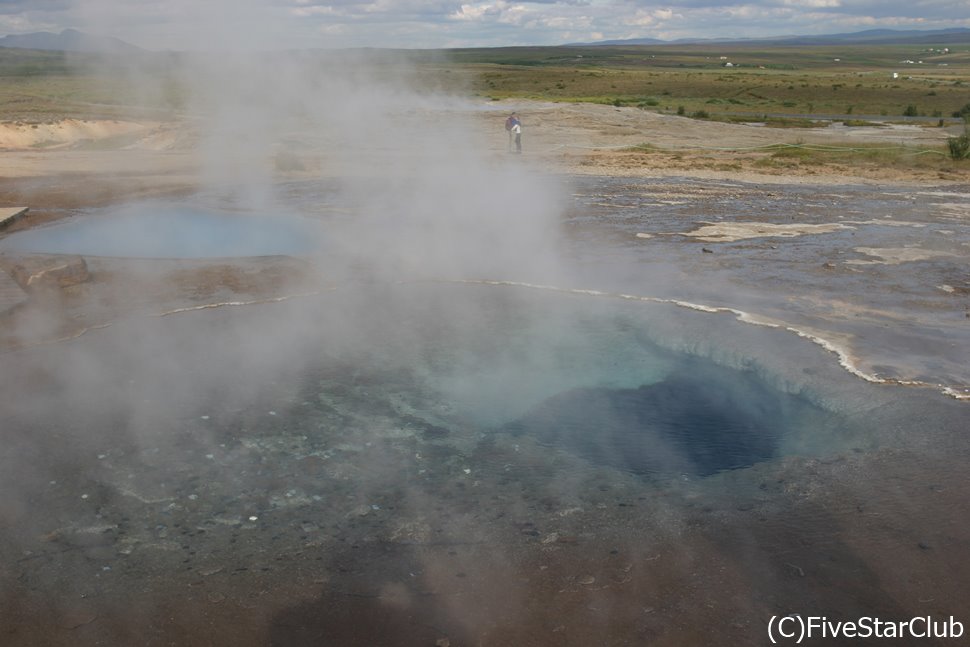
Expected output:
{"points": [[171, 231], [588, 378], [701, 419]]}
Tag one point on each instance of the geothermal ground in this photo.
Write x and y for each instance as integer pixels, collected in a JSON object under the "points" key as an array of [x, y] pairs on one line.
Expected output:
{"points": [[343, 496]]}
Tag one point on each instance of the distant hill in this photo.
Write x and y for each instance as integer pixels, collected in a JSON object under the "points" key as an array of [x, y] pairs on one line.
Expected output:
{"points": [[883, 36], [625, 41], [872, 36], [72, 40], [69, 40]]}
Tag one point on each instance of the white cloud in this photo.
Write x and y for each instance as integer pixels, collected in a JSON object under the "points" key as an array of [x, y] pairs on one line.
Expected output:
{"points": [[193, 24], [478, 12], [812, 4]]}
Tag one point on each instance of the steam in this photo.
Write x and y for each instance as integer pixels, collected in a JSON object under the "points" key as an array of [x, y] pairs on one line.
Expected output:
{"points": [[427, 193], [425, 189], [422, 183], [355, 418]]}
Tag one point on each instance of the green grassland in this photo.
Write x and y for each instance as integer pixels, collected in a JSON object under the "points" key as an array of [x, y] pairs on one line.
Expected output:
{"points": [[788, 84], [816, 80], [41, 86]]}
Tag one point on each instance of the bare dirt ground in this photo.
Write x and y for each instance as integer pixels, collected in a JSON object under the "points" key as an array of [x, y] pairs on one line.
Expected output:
{"points": [[597, 139], [87, 163]]}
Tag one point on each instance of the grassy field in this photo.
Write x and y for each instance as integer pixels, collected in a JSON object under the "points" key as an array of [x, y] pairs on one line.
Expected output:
{"points": [[40, 86], [820, 80], [786, 87], [782, 85]]}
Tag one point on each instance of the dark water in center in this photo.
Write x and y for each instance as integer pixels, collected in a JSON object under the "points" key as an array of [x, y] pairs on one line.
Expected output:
{"points": [[700, 420]]}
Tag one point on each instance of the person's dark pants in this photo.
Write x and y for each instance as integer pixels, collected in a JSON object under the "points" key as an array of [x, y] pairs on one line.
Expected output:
{"points": [[518, 143]]}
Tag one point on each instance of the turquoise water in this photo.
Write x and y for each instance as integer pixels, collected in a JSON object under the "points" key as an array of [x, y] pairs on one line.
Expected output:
{"points": [[172, 231]]}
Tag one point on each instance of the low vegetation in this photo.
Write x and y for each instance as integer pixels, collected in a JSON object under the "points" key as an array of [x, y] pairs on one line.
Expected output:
{"points": [[783, 87], [960, 146], [831, 157], [44, 87], [865, 81]]}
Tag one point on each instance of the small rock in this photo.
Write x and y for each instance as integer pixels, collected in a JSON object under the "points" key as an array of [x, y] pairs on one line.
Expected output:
{"points": [[361, 510], [924, 546], [50, 272], [442, 642], [707, 251]]}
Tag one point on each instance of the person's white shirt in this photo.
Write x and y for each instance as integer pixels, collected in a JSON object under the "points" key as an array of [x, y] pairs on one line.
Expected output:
{"points": [[516, 129]]}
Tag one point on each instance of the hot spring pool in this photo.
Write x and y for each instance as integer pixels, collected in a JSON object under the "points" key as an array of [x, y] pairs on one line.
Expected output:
{"points": [[172, 231], [387, 461]]}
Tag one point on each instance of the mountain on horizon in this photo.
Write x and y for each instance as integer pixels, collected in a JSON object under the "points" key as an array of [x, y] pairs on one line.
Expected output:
{"points": [[72, 40], [873, 36], [69, 40]]}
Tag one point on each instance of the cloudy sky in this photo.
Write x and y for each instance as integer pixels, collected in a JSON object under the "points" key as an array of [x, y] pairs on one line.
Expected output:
{"points": [[202, 24]]}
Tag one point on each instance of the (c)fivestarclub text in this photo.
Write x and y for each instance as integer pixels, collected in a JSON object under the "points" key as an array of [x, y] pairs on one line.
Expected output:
{"points": [[796, 628]]}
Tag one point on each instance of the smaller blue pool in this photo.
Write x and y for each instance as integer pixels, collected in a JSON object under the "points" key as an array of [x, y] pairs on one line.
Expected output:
{"points": [[172, 231]]}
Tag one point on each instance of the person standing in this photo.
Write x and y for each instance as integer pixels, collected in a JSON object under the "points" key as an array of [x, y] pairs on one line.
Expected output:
{"points": [[510, 123], [516, 133]]}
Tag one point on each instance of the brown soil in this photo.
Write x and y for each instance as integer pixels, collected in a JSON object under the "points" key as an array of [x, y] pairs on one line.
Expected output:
{"points": [[598, 139]]}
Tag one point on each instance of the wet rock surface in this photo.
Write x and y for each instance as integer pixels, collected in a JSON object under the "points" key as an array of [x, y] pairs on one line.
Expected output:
{"points": [[879, 271]]}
